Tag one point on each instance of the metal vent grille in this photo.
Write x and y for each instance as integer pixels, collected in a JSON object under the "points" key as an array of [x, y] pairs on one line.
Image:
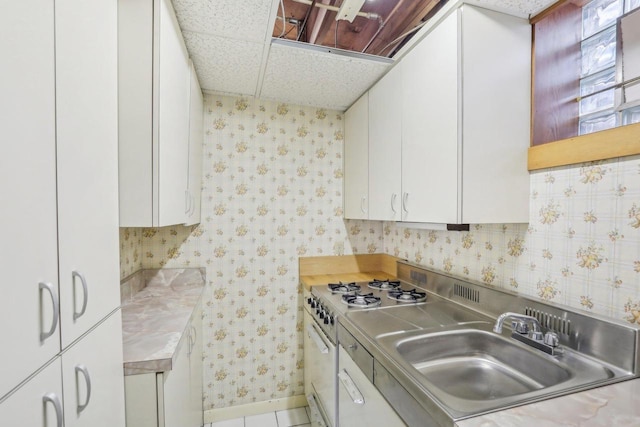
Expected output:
{"points": [[549, 321], [466, 293]]}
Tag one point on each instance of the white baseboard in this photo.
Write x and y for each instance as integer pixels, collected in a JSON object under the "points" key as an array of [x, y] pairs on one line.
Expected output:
{"points": [[221, 414]]}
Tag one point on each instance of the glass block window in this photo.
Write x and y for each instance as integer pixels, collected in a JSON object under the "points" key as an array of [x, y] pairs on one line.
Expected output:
{"points": [[598, 68]]}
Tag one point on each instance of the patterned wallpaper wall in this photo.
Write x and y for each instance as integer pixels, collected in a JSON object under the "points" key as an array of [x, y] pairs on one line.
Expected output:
{"points": [[581, 247], [272, 193]]}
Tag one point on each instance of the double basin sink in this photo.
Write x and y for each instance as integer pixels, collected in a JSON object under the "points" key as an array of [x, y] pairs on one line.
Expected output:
{"points": [[452, 355]]}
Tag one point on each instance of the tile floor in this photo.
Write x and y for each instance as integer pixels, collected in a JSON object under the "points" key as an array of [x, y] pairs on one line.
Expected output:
{"points": [[298, 417]]}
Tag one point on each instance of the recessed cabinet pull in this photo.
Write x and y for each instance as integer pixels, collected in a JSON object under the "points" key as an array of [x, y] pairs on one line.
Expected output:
{"points": [[56, 310], [394, 196], [85, 373], [313, 334], [362, 202], [351, 387], [55, 401], [85, 293]]}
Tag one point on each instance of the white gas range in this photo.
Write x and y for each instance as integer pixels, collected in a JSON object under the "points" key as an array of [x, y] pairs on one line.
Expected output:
{"points": [[336, 388]]}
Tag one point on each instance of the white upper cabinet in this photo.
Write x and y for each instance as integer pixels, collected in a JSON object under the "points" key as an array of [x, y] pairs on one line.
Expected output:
{"points": [[87, 156], [430, 127], [196, 141], [466, 120], [385, 145], [154, 91], [28, 252], [356, 163]]}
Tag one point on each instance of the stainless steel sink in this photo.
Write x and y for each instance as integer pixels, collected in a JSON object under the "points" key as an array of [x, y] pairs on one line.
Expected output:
{"points": [[470, 369], [479, 365]]}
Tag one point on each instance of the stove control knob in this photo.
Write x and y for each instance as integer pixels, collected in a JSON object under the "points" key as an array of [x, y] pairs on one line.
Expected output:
{"points": [[326, 319], [309, 300], [331, 320], [323, 314]]}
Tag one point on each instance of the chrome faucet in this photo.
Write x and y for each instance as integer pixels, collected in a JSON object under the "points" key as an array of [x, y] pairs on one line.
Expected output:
{"points": [[547, 343], [522, 318]]}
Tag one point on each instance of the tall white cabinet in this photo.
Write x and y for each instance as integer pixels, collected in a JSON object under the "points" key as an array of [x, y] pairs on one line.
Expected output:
{"points": [[60, 253], [154, 107]]}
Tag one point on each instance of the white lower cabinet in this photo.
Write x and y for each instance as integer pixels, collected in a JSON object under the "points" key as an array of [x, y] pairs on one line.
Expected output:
{"points": [[171, 398], [359, 402], [82, 387], [38, 402], [92, 378]]}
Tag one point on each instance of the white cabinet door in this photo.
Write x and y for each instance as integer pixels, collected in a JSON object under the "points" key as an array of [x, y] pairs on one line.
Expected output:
{"points": [[196, 414], [173, 119], [87, 157], [359, 402], [356, 159], [430, 142], [154, 86], [196, 140], [93, 380], [495, 179], [38, 403], [28, 252], [173, 401], [385, 147]]}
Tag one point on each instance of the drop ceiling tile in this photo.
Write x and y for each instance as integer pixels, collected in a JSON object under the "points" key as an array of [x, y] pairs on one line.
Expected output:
{"points": [[306, 76], [225, 65], [524, 8], [247, 20]]}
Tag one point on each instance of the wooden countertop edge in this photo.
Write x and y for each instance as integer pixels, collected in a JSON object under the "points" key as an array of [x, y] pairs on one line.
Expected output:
{"points": [[347, 268]]}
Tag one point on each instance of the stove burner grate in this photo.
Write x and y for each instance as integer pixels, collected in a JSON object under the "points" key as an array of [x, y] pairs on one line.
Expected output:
{"points": [[343, 288], [384, 285], [409, 296], [361, 300]]}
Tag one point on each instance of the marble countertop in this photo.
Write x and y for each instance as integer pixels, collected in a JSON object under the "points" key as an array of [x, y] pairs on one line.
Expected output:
{"points": [[156, 308], [614, 405]]}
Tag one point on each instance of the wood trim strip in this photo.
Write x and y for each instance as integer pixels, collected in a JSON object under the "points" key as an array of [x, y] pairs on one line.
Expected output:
{"points": [[608, 144], [309, 266]]}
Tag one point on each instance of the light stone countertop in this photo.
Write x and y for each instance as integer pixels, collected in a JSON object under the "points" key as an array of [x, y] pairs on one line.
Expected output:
{"points": [[615, 405], [156, 308]]}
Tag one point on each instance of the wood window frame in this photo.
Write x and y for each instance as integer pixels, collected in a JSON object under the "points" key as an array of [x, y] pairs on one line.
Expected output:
{"points": [[554, 113]]}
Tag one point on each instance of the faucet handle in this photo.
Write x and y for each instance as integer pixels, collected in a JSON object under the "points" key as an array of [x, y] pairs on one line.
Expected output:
{"points": [[551, 339], [520, 326]]}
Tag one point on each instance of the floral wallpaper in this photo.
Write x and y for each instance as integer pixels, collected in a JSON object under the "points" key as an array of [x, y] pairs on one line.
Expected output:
{"points": [[272, 192], [581, 247]]}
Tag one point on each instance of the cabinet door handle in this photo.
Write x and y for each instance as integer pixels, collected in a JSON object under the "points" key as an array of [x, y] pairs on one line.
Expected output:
{"points": [[362, 201], [55, 401], [56, 310], [394, 196], [187, 202], [313, 334], [194, 338], [85, 293], [87, 379], [405, 202], [192, 204], [351, 387]]}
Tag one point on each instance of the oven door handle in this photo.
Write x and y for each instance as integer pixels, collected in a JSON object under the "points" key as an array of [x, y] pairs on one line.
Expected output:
{"points": [[351, 387], [315, 336]]}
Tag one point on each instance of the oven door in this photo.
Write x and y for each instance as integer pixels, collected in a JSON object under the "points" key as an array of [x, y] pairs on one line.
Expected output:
{"points": [[359, 402], [320, 368]]}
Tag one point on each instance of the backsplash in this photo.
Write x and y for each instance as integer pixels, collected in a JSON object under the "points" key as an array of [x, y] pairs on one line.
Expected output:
{"points": [[272, 192]]}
